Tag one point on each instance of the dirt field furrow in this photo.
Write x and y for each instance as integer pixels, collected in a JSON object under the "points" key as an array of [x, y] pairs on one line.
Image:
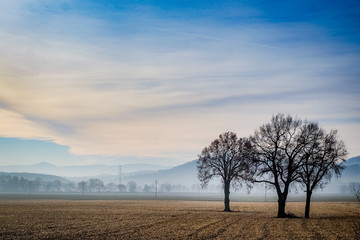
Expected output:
{"points": [[148, 219]]}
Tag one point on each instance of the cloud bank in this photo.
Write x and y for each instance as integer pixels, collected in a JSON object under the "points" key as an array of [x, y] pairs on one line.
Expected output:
{"points": [[140, 83]]}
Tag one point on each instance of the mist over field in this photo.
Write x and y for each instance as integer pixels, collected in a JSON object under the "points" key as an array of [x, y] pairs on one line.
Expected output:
{"points": [[139, 181]]}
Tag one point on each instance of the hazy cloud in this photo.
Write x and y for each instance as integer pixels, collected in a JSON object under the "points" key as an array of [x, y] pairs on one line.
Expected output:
{"points": [[154, 86]]}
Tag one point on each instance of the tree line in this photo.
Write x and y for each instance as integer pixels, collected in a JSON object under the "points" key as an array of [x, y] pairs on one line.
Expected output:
{"points": [[284, 153], [17, 184]]}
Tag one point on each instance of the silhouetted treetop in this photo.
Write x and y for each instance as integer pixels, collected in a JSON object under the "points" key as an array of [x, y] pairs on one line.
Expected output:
{"points": [[227, 157]]}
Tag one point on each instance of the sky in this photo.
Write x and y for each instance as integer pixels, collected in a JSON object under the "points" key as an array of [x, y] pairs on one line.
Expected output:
{"points": [[118, 82]]}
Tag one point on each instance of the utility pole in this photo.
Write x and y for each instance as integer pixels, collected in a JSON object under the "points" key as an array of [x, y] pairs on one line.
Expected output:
{"points": [[119, 174], [82, 187], [155, 189], [265, 192]]}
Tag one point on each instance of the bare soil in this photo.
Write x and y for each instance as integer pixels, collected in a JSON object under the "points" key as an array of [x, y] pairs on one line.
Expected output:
{"points": [[146, 219]]}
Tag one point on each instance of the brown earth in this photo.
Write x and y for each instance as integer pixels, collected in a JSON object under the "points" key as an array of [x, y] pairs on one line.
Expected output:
{"points": [[146, 219]]}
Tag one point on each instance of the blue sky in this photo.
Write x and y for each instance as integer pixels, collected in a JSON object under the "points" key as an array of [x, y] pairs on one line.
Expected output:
{"points": [[118, 82]]}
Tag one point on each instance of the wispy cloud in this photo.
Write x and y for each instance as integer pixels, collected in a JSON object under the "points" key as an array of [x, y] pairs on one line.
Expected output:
{"points": [[194, 35], [152, 86]]}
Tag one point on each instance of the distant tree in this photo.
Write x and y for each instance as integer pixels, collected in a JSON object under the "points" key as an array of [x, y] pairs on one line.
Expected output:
{"points": [[4, 186], [35, 185], [111, 187], [48, 186], [57, 185], [277, 147], [122, 188], [165, 187], [99, 185], [322, 156], [69, 186], [23, 184], [131, 186], [82, 186], [95, 185], [147, 188], [226, 157], [355, 187], [15, 183]]}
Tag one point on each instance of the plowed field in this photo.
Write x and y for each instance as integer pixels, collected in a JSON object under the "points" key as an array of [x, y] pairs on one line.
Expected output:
{"points": [[62, 219]]}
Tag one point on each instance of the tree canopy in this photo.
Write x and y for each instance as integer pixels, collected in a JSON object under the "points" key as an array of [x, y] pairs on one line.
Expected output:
{"points": [[322, 156], [227, 157], [277, 147]]}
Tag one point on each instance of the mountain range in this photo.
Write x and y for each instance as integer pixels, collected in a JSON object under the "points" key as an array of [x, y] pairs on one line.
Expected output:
{"points": [[82, 170], [185, 174]]}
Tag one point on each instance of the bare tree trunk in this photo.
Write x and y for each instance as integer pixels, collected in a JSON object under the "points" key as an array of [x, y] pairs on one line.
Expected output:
{"points": [[281, 206], [227, 198], [307, 206]]}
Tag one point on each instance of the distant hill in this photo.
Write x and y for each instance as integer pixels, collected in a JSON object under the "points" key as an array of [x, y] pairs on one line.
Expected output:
{"points": [[81, 171], [185, 174], [352, 170], [33, 176], [352, 161]]}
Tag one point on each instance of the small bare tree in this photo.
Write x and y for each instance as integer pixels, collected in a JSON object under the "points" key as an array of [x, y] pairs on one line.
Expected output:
{"points": [[355, 187], [227, 157], [322, 156]]}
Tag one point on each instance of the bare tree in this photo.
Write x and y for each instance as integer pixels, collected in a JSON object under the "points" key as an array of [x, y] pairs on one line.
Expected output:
{"points": [[131, 186], [322, 157], [277, 146], [355, 187], [226, 157], [82, 186], [147, 188], [121, 187], [95, 185]]}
